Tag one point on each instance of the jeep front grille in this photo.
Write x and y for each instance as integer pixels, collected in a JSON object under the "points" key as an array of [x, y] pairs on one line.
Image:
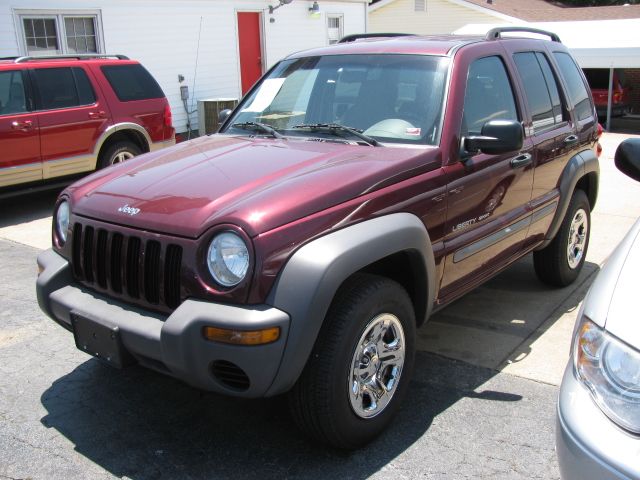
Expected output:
{"points": [[136, 269]]}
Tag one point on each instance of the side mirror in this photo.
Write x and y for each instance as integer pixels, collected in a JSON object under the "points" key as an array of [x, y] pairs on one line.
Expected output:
{"points": [[627, 158], [497, 136], [223, 115]]}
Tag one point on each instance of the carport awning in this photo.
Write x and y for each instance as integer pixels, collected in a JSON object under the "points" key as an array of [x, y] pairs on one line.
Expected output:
{"points": [[594, 44]]}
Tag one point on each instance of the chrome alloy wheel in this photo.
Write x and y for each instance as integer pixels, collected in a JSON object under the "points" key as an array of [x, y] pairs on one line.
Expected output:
{"points": [[122, 157], [577, 238], [376, 365]]}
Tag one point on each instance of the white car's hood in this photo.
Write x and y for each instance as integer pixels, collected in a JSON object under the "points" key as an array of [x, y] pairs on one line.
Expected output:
{"points": [[611, 302]]}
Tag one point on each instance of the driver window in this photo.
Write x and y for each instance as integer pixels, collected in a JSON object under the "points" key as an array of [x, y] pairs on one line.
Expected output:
{"points": [[488, 95]]}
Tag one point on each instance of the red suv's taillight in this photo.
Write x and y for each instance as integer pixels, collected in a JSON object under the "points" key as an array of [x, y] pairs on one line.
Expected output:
{"points": [[168, 121]]}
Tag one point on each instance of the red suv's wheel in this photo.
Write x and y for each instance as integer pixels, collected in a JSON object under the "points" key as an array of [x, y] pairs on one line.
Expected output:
{"points": [[119, 152]]}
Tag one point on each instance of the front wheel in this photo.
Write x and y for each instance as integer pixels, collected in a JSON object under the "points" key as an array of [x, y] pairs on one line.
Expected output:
{"points": [[361, 364], [560, 262]]}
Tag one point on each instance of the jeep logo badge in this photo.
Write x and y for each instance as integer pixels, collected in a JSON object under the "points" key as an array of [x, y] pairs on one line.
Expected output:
{"points": [[129, 210]]}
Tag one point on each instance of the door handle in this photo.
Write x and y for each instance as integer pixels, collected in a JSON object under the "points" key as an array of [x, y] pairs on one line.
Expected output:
{"points": [[521, 160], [571, 139], [24, 125], [100, 114]]}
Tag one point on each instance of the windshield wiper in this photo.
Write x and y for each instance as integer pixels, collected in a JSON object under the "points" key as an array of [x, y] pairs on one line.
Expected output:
{"points": [[336, 127], [258, 126]]}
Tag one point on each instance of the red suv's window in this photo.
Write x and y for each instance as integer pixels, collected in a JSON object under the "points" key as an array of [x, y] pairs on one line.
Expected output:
{"points": [[12, 95], [577, 89], [63, 88], [132, 82]]}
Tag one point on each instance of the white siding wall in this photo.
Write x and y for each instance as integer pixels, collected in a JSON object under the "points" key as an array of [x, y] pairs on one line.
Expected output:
{"points": [[440, 17], [163, 35]]}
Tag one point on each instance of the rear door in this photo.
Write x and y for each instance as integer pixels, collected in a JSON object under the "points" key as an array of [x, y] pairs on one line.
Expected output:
{"points": [[20, 157], [488, 195], [71, 116]]}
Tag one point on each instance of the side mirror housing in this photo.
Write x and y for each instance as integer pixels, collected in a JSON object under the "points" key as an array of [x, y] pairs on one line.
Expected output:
{"points": [[627, 158], [223, 115], [497, 136]]}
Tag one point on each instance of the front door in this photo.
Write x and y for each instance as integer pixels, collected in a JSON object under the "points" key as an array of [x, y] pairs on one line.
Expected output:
{"points": [[250, 46]]}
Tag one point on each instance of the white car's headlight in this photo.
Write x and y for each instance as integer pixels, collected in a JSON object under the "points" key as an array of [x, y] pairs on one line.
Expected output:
{"points": [[228, 259], [611, 371], [62, 221]]}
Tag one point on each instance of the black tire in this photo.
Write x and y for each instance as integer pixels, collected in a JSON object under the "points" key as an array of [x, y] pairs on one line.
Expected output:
{"points": [[119, 151], [321, 402], [553, 264]]}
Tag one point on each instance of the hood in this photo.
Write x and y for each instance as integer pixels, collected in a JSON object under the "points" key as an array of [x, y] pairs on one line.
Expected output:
{"points": [[257, 184], [611, 299]]}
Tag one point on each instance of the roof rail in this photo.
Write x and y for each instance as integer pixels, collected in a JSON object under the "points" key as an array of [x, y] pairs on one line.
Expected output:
{"points": [[81, 56], [358, 36], [496, 33]]}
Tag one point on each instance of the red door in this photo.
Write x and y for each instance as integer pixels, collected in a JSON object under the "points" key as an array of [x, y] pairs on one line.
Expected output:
{"points": [[250, 49]]}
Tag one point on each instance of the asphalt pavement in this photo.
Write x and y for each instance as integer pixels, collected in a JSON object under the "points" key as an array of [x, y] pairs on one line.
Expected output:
{"points": [[481, 404]]}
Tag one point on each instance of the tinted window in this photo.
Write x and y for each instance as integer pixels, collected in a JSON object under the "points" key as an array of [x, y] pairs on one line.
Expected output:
{"points": [[56, 88], [540, 88], [132, 82], [12, 97], [85, 90], [488, 95], [577, 89]]}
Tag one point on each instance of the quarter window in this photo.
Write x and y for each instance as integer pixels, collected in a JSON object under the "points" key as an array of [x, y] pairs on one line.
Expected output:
{"points": [[577, 90], [540, 88], [132, 82], [12, 96], [488, 95], [62, 88]]}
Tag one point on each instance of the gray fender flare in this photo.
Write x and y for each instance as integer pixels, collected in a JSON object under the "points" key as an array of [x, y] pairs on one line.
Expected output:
{"points": [[311, 277], [583, 164]]}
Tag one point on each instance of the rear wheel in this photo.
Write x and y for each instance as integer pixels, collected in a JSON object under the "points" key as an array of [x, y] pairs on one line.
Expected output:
{"points": [[560, 262], [361, 364], [119, 152]]}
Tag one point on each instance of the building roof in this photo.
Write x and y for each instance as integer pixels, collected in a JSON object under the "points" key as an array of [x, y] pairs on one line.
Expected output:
{"points": [[540, 10], [545, 11]]}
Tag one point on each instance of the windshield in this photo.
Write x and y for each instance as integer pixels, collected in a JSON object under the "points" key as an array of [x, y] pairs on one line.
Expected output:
{"points": [[389, 98]]}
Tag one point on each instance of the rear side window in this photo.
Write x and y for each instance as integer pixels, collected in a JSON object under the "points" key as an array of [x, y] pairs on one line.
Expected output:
{"points": [[577, 89], [12, 96], [132, 82], [63, 88], [488, 95], [541, 89]]}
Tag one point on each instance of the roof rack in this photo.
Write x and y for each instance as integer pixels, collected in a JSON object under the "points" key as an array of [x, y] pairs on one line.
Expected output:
{"points": [[81, 56], [358, 36], [496, 33]]}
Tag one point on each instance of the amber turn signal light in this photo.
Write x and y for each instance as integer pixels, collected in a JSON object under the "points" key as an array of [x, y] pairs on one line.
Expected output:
{"points": [[242, 337]]}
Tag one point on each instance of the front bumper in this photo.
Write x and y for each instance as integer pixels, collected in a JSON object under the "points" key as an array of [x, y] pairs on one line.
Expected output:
{"points": [[588, 444], [173, 345]]}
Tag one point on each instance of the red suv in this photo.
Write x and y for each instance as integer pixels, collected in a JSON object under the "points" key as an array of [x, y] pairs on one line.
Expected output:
{"points": [[60, 116], [598, 79]]}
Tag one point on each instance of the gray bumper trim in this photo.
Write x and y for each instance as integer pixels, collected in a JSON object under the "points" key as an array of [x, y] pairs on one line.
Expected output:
{"points": [[174, 343]]}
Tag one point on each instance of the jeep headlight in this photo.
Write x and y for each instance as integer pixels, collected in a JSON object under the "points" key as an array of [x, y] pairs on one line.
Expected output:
{"points": [[228, 259], [611, 371], [62, 221]]}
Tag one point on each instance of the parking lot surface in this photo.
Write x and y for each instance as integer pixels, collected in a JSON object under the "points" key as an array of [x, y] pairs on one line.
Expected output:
{"points": [[481, 405]]}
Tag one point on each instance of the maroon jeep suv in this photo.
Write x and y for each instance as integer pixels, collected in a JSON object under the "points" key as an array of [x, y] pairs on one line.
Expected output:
{"points": [[355, 189]]}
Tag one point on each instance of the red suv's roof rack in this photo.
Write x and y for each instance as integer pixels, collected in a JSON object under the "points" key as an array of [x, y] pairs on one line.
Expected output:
{"points": [[82, 56], [496, 33], [358, 36]]}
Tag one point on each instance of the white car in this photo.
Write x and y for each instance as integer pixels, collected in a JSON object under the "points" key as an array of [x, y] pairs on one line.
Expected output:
{"points": [[598, 416]]}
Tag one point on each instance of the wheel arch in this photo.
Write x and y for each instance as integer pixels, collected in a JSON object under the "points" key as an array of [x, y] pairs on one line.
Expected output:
{"points": [[310, 279], [581, 172], [130, 132]]}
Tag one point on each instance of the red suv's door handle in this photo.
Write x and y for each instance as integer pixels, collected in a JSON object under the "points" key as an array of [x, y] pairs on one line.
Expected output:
{"points": [[100, 114], [521, 160], [24, 125]]}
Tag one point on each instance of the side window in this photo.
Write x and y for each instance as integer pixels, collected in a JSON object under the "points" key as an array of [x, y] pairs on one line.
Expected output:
{"points": [[577, 89], [132, 82], [63, 88], [540, 88], [12, 96], [488, 95]]}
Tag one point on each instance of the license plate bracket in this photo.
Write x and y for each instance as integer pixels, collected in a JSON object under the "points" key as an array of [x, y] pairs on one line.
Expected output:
{"points": [[99, 339]]}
